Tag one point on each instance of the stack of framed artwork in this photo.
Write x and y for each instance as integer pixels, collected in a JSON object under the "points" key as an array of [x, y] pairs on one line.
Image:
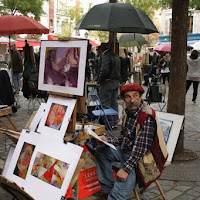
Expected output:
{"points": [[41, 163]]}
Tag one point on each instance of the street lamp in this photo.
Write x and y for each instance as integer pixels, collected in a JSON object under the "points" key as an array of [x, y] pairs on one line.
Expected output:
{"points": [[86, 35]]}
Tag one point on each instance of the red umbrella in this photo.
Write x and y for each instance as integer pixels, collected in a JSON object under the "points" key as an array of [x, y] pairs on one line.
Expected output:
{"points": [[14, 24], [162, 48]]}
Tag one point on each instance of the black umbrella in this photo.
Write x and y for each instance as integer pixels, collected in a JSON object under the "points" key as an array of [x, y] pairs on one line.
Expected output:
{"points": [[117, 17]]}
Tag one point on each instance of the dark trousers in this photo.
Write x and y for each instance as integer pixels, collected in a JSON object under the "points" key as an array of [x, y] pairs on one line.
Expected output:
{"points": [[165, 76], [195, 88], [108, 94]]}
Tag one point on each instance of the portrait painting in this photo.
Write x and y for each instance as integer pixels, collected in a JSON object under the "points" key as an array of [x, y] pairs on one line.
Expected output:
{"points": [[49, 169], [62, 66], [56, 116], [24, 160]]}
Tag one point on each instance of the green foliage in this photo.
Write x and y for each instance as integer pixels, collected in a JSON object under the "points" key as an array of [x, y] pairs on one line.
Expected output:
{"points": [[148, 6], [168, 4], [73, 14], [102, 35], [22, 6]]}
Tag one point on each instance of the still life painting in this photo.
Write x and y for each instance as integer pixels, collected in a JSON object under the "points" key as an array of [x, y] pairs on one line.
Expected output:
{"points": [[62, 66], [24, 160], [55, 116], [49, 169]]}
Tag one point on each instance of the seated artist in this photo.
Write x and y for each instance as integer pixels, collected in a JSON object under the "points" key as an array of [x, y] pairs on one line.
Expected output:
{"points": [[140, 140]]}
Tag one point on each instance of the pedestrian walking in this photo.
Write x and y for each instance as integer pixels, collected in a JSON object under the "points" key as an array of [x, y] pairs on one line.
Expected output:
{"points": [[193, 73]]}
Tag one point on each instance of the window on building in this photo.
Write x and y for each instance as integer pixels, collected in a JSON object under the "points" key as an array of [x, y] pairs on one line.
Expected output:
{"points": [[190, 24]]}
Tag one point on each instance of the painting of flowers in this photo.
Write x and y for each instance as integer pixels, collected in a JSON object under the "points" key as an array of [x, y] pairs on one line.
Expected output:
{"points": [[49, 169]]}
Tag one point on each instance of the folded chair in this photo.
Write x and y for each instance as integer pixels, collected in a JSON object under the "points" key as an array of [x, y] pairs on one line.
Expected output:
{"points": [[101, 112]]}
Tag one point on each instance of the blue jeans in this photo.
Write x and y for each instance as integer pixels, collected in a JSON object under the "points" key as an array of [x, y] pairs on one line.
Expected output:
{"points": [[116, 189], [108, 94], [16, 80]]}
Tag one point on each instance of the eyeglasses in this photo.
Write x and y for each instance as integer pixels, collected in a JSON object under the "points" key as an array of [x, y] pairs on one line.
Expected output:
{"points": [[135, 96]]}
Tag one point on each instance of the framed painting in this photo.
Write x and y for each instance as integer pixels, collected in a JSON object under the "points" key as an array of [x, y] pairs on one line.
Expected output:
{"points": [[56, 116], [22, 155], [171, 125], [52, 168], [62, 66]]}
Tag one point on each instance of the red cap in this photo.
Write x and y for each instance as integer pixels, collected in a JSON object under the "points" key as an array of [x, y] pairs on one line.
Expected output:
{"points": [[131, 87]]}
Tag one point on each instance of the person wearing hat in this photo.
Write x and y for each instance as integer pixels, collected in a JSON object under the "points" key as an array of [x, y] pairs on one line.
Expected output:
{"points": [[141, 141]]}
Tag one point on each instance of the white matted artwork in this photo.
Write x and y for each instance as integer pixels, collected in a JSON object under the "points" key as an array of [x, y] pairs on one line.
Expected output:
{"points": [[52, 168], [38, 116], [62, 66], [57, 116], [8, 159], [22, 155], [171, 126]]}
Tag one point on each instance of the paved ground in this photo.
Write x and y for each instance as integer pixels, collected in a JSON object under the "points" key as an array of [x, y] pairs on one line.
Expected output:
{"points": [[180, 180]]}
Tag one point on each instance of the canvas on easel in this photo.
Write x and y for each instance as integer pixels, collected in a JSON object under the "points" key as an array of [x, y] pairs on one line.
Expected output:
{"points": [[57, 116], [62, 66]]}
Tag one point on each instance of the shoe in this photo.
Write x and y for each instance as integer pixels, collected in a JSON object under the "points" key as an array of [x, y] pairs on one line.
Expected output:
{"points": [[102, 197], [114, 127], [193, 102]]}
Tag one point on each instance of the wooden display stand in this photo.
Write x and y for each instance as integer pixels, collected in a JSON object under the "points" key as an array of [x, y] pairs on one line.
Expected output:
{"points": [[11, 187], [5, 112]]}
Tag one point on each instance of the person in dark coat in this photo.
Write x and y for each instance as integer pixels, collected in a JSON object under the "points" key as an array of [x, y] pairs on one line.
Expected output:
{"points": [[16, 65], [109, 77]]}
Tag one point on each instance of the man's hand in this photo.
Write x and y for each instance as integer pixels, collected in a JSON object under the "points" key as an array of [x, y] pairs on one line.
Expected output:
{"points": [[122, 175], [104, 138]]}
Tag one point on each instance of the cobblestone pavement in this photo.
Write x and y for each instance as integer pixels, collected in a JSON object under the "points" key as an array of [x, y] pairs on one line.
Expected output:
{"points": [[180, 180]]}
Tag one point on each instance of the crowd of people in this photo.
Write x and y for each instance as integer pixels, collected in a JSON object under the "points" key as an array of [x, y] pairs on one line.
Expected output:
{"points": [[140, 138]]}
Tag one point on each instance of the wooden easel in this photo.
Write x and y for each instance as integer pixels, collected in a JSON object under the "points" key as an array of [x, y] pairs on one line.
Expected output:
{"points": [[5, 112], [11, 187]]}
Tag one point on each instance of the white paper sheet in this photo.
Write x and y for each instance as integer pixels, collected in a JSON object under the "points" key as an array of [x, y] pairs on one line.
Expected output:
{"points": [[93, 134]]}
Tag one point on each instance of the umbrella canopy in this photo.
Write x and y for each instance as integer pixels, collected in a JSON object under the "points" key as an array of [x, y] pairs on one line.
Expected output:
{"points": [[117, 17], [162, 48], [13, 24], [131, 39], [5, 39], [167, 47]]}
